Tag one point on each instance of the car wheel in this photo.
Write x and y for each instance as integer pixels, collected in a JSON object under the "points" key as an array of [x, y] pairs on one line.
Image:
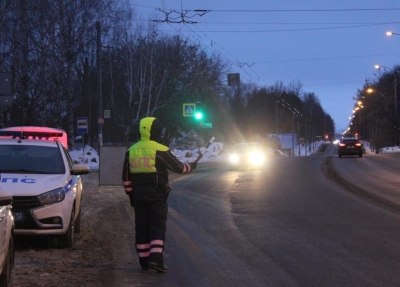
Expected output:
{"points": [[78, 218], [339, 155], [77, 223], [5, 277], [360, 155], [67, 239]]}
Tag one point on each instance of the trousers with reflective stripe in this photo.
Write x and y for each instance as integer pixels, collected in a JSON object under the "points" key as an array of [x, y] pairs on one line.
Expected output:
{"points": [[150, 204]]}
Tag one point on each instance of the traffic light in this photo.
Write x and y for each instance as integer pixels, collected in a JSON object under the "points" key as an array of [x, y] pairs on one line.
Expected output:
{"points": [[199, 115], [199, 112]]}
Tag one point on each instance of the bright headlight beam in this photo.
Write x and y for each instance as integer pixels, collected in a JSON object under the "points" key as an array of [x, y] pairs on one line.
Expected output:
{"points": [[234, 158], [256, 157]]}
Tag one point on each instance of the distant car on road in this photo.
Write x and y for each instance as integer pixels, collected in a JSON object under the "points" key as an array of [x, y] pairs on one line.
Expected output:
{"points": [[6, 239], [246, 155], [350, 146]]}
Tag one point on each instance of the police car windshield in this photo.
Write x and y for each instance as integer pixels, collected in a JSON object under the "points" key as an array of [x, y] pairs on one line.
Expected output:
{"points": [[31, 159]]}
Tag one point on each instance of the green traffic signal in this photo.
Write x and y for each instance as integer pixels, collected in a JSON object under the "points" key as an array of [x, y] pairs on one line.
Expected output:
{"points": [[199, 115]]}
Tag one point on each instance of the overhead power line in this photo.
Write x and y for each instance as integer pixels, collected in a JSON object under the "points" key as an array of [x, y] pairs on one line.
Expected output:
{"points": [[324, 58], [296, 23], [285, 104], [295, 30], [173, 16], [242, 64], [288, 10], [308, 10], [223, 53]]}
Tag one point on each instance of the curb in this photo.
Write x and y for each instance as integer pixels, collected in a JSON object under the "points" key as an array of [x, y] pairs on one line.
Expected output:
{"points": [[328, 169]]}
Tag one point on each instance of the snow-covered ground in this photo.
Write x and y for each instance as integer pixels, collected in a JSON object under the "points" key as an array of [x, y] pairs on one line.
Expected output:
{"points": [[87, 156], [390, 149]]}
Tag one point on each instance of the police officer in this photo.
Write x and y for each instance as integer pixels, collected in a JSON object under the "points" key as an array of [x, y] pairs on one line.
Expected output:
{"points": [[145, 179]]}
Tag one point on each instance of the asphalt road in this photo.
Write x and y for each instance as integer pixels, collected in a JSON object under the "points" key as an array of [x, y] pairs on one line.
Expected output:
{"points": [[287, 225], [302, 221]]}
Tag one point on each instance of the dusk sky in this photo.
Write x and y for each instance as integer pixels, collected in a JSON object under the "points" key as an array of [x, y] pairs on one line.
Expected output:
{"points": [[330, 47]]}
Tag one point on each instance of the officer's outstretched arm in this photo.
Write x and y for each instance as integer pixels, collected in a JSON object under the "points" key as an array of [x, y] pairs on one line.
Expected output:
{"points": [[172, 163]]}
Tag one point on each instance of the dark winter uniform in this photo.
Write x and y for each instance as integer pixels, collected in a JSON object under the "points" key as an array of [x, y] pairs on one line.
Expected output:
{"points": [[145, 179]]}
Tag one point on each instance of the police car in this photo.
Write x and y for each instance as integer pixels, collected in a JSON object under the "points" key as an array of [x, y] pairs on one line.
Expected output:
{"points": [[6, 239], [36, 168]]}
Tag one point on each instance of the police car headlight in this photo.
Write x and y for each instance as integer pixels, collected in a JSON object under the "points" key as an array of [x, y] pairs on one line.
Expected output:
{"points": [[256, 157], [234, 158], [51, 197]]}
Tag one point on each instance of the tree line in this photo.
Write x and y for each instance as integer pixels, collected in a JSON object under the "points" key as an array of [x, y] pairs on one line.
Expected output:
{"points": [[51, 49], [375, 115]]}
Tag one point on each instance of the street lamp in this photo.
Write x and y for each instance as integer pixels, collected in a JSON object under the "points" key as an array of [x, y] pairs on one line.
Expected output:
{"points": [[371, 91], [395, 85], [390, 33]]}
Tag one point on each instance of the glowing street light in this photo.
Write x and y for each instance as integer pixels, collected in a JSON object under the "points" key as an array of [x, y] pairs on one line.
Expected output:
{"points": [[391, 33], [395, 84], [372, 91]]}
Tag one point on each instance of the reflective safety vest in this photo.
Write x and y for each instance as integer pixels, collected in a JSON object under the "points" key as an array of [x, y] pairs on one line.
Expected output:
{"points": [[142, 156]]}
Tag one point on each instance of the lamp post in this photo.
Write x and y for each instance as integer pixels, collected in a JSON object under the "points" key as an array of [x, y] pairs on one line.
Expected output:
{"points": [[395, 86], [390, 33], [373, 117], [371, 91]]}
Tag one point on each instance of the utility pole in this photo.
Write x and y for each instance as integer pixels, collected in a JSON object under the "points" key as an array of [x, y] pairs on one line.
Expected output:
{"points": [[395, 94], [100, 119], [276, 119], [305, 138], [292, 154], [276, 124]]}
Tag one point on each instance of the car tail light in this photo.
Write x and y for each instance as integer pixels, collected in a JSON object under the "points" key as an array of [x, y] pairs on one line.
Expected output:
{"points": [[358, 144], [342, 144]]}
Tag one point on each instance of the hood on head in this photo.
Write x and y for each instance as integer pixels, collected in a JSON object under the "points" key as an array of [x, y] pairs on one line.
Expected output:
{"points": [[150, 129]]}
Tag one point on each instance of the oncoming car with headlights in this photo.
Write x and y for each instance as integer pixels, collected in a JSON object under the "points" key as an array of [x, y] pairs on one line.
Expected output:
{"points": [[246, 155], [45, 184]]}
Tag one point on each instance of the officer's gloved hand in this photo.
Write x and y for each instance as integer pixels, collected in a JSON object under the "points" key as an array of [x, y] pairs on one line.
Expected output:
{"points": [[193, 164]]}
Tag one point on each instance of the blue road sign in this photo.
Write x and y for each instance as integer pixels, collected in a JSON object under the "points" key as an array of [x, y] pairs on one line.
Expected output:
{"points": [[82, 125], [189, 109]]}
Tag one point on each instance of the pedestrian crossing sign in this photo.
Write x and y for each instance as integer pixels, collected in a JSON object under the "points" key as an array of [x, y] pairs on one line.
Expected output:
{"points": [[189, 109]]}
